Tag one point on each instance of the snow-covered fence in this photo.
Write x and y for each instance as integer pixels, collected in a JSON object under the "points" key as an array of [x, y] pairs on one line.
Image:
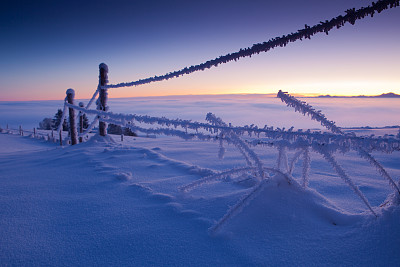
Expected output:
{"points": [[351, 16], [41, 134], [245, 137]]}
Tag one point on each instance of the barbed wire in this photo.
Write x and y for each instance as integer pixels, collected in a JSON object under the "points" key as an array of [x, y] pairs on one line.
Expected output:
{"points": [[351, 16], [344, 142]]}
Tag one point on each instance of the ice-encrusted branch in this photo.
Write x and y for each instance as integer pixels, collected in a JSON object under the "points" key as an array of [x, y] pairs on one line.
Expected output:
{"points": [[342, 174], [214, 177], [304, 108], [295, 158], [306, 164], [231, 172], [306, 167], [238, 143], [245, 200], [218, 122], [238, 207], [379, 168]]}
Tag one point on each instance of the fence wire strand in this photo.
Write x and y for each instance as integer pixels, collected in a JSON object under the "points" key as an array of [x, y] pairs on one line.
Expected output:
{"points": [[351, 16]]}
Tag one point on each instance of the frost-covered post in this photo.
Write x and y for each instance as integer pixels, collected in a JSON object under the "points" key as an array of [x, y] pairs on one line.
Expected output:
{"points": [[72, 124], [81, 122], [103, 80]]}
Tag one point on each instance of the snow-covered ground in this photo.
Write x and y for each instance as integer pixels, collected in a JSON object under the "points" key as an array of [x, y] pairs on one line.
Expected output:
{"points": [[142, 202], [113, 203]]}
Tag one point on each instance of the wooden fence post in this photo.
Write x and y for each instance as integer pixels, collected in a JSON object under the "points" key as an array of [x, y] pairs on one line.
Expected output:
{"points": [[81, 122], [20, 130], [103, 80], [34, 132], [61, 141], [72, 124]]}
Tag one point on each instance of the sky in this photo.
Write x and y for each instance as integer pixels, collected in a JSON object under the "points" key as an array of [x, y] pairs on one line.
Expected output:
{"points": [[50, 46]]}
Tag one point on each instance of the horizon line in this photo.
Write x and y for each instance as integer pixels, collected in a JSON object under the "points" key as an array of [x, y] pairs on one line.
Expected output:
{"points": [[303, 95]]}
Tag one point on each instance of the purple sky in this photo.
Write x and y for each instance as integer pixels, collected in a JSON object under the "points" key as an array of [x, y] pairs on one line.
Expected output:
{"points": [[50, 46]]}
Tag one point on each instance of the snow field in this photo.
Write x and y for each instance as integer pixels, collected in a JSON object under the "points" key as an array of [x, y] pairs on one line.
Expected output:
{"points": [[113, 203]]}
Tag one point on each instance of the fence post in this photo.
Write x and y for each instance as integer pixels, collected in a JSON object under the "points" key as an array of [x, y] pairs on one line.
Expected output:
{"points": [[20, 130], [72, 124], [34, 132], [81, 122], [103, 80], [61, 141]]}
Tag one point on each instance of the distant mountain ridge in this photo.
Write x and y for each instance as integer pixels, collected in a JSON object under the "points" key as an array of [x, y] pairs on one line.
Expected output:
{"points": [[387, 95]]}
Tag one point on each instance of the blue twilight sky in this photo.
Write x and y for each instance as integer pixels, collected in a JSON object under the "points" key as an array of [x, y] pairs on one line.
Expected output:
{"points": [[49, 46]]}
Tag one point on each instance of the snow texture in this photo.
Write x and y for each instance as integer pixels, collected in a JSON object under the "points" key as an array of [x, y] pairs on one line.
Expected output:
{"points": [[117, 203]]}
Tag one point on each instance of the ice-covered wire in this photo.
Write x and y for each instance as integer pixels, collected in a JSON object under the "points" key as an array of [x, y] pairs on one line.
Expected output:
{"points": [[93, 97], [323, 27], [304, 108], [91, 126], [349, 141], [59, 128]]}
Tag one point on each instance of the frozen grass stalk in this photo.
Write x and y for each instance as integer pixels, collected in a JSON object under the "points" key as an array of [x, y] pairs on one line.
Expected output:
{"points": [[328, 156]]}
